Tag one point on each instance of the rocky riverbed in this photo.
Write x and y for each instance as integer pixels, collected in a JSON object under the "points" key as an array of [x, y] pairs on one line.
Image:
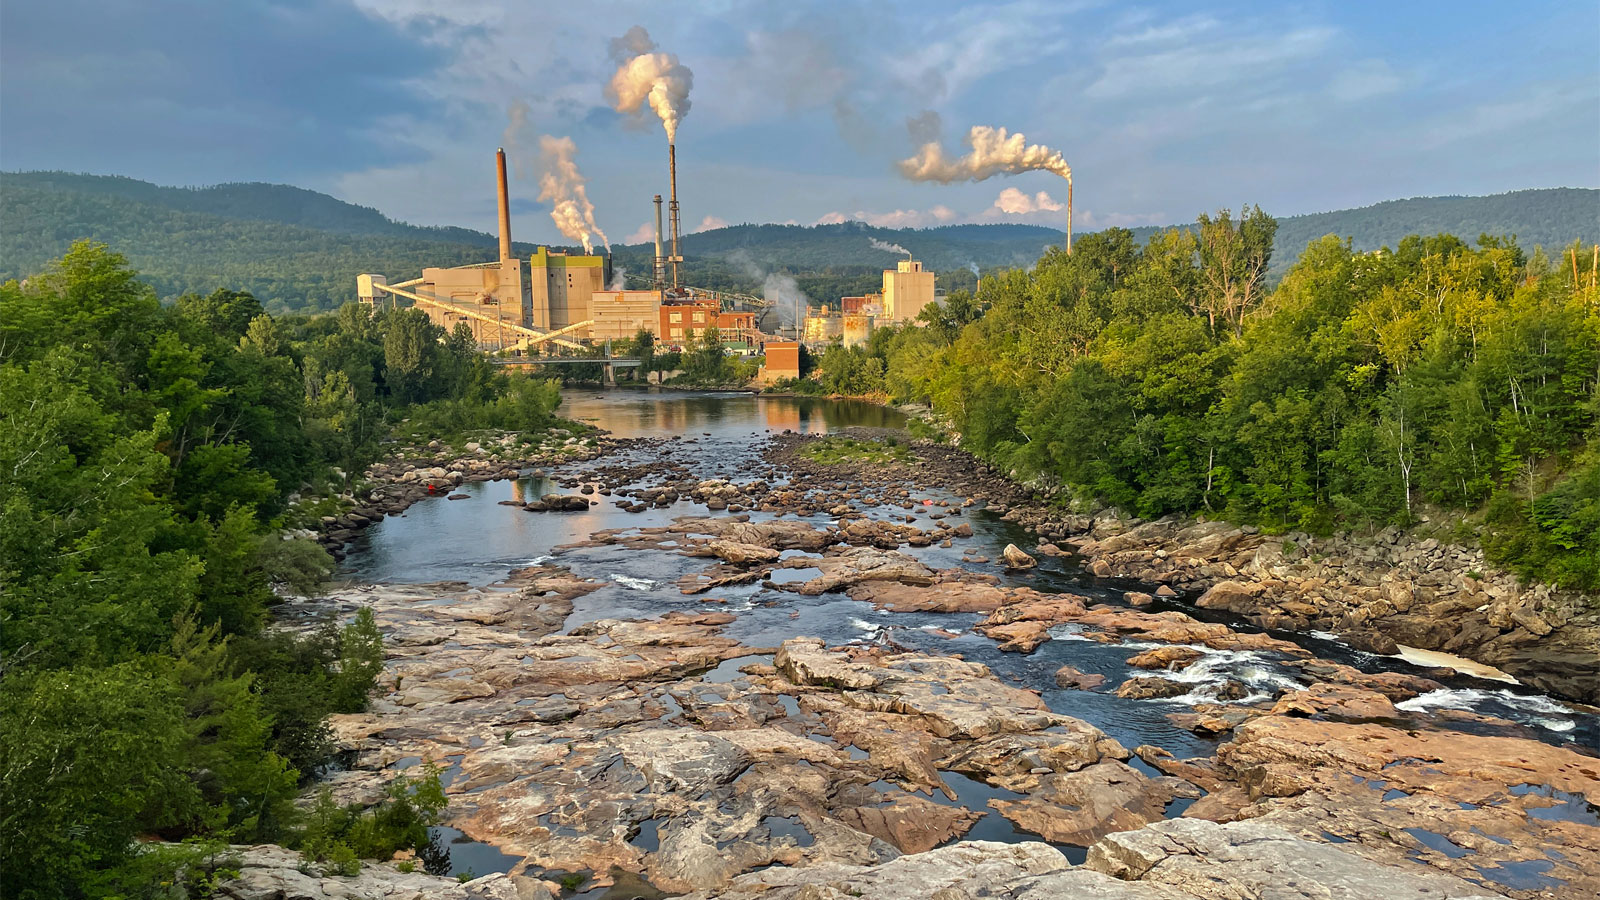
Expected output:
{"points": [[736, 674]]}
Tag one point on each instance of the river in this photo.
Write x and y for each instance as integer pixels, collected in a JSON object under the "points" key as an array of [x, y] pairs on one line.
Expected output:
{"points": [[479, 540]]}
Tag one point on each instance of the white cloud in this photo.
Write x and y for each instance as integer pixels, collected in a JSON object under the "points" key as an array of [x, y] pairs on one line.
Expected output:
{"points": [[899, 218], [1201, 58], [709, 223], [1017, 203], [645, 233]]}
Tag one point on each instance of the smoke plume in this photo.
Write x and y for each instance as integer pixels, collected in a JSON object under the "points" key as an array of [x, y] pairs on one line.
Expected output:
{"points": [[511, 139], [888, 247], [994, 152], [787, 302], [619, 279], [645, 75], [562, 185]]}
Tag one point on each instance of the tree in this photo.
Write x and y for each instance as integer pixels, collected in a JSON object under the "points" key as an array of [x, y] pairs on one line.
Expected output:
{"points": [[1233, 264], [88, 759]]}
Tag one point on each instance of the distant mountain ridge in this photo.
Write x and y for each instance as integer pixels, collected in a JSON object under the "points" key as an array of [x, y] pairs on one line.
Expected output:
{"points": [[298, 249]]}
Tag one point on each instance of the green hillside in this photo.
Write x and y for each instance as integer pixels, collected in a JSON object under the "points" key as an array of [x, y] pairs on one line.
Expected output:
{"points": [[301, 250]]}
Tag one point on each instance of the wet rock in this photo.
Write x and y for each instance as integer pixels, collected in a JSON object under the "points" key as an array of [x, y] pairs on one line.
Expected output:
{"points": [[1017, 559], [1079, 807], [1074, 679], [1171, 658], [735, 553], [859, 564], [1369, 640], [911, 824], [1149, 687]]}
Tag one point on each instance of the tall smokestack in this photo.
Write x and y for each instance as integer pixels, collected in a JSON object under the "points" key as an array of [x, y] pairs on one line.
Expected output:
{"points": [[505, 205], [672, 171], [1069, 213], [661, 262]]}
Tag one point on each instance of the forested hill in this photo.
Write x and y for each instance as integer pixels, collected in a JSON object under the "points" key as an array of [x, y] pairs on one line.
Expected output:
{"points": [[1551, 218], [301, 250]]}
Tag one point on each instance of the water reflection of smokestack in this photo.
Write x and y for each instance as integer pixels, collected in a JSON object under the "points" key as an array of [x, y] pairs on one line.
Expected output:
{"points": [[505, 205], [672, 173]]}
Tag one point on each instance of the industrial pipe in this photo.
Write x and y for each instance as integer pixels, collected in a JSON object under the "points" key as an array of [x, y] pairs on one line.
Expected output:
{"points": [[505, 205]]}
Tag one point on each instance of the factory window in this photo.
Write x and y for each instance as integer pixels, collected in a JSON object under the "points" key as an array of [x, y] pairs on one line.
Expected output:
{"points": [[699, 317], [677, 333], [675, 317]]}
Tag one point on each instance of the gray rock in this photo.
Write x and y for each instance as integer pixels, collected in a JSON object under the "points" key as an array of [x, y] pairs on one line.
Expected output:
{"points": [[1249, 860]]}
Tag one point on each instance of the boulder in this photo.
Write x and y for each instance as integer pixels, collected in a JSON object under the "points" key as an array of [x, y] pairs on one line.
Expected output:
{"points": [[1017, 559], [1074, 679], [1149, 687]]}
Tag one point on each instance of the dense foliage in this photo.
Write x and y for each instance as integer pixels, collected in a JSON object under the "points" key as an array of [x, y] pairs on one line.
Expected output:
{"points": [[1367, 388], [148, 454]]}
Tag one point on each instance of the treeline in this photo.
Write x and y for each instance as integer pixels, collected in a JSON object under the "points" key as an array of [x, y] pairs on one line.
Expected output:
{"points": [[148, 458], [1434, 379]]}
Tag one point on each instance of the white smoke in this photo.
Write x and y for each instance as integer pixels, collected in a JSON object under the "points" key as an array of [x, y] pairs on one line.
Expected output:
{"points": [[788, 301], [511, 138], [994, 152], [888, 247], [562, 186], [619, 279], [972, 267], [645, 75]]}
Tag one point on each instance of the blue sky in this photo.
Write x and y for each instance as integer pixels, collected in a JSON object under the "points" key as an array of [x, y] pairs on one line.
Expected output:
{"points": [[800, 109]]}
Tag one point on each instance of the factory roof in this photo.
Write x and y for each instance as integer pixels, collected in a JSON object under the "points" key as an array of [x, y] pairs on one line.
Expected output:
{"points": [[543, 257]]}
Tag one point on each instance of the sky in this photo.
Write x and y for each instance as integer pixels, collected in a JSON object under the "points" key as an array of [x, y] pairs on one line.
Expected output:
{"points": [[800, 111]]}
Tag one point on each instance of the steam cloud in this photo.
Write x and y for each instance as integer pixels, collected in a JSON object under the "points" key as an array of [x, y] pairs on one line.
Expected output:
{"points": [[511, 138], [646, 75], [788, 302], [562, 185], [619, 279], [994, 152], [888, 247]]}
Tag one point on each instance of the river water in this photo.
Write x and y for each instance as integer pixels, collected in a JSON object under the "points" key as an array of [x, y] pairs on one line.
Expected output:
{"points": [[720, 435]]}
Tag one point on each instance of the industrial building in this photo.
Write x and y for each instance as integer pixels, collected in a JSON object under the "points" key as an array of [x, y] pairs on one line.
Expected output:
{"points": [[782, 361], [560, 298], [563, 285], [619, 315], [510, 303], [907, 290]]}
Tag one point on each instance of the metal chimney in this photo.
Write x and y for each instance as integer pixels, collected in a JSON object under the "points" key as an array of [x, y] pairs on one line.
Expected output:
{"points": [[661, 261], [672, 171], [505, 205], [1069, 214]]}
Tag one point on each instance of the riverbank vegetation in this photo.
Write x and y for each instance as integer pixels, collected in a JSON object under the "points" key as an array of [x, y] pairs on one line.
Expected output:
{"points": [[150, 455], [1437, 379], [837, 449]]}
